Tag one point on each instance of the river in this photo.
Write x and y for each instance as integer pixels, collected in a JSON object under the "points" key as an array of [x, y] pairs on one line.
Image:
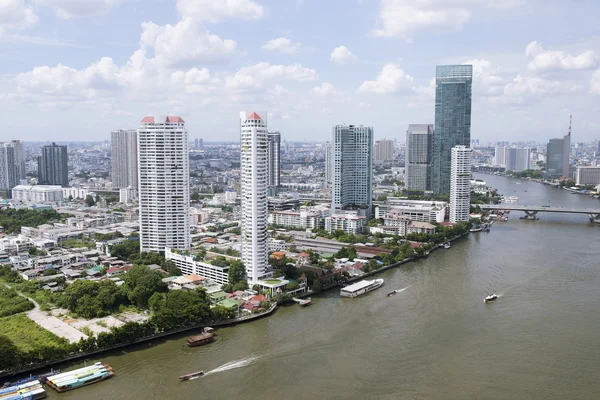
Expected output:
{"points": [[435, 340]]}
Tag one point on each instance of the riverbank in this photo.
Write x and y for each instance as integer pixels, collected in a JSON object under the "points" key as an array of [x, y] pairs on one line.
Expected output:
{"points": [[73, 357]]}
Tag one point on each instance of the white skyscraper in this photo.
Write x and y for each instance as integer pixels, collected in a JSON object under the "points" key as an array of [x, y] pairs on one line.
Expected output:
{"points": [[254, 187], [522, 161], [19, 159], [124, 159], [500, 156], [383, 151], [460, 189], [274, 164], [8, 168], [164, 187], [352, 171]]}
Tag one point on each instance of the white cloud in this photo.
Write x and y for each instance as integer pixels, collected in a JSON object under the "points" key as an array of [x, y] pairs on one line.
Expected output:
{"points": [[595, 82], [404, 18], [283, 45], [342, 55], [487, 82], [15, 14], [364, 105], [218, 10], [547, 60], [79, 8], [391, 79], [37, 40], [184, 43], [325, 89], [255, 76], [528, 89]]}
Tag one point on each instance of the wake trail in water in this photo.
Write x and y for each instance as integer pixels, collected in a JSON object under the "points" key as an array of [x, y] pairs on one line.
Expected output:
{"points": [[234, 364], [403, 289]]}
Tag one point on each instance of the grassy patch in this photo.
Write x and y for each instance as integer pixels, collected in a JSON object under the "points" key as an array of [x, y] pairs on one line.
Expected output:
{"points": [[273, 281], [27, 335], [11, 303]]}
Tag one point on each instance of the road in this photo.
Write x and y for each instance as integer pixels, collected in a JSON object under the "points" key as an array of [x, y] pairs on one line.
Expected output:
{"points": [[51, 323]]}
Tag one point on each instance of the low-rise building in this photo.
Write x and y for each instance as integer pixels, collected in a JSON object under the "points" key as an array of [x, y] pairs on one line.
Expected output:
{"points": [[188, 265], [37, 193], [587, 175], [349, 223], [420, 227], [417, 210]]}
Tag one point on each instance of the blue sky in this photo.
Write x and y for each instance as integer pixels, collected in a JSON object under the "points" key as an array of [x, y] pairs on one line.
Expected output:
{"points": [[77, 69]]}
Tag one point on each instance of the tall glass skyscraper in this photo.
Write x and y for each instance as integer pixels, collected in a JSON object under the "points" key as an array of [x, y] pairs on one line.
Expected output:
{"points": [[452, 120]]}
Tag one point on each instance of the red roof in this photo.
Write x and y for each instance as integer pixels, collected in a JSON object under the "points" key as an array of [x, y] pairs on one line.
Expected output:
{"points": [[174, 119], [254, 115], [259, 298], [302, 277], [303, 254], [149, 119]]}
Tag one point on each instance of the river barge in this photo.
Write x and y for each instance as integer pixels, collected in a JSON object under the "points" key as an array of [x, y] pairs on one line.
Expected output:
{"points": [[31, 390], [80, 377], [360, 288], [200, 340]]}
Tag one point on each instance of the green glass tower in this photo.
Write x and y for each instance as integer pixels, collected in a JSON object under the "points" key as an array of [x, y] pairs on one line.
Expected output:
{"points": [[452, 120]]}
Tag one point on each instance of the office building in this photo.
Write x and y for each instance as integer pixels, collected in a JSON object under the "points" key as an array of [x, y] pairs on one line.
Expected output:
{"points": [[383, 151], [8, 170], [460, 186], [452, 120], [274, 163], [500, 156], [522, 159], [328, 163], [198, 143], [352, 173], [557, 157], [419, 146], [19, 159], [587, 175], [416, 210], [53, 166], [37, 193], [124, 159], [164, 190], [254, 187]]}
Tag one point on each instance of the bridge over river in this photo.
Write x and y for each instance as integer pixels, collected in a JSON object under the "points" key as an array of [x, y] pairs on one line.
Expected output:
{"points": [[531, 211]]}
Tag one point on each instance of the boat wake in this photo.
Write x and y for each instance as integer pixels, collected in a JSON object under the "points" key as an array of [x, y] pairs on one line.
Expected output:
{"points": [[403, 289], [234, 364]]}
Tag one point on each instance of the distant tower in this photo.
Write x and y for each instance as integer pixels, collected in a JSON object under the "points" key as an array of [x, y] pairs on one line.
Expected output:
{"points": [[164, 184], [8, 170], [460, 186], [383, 151], [124, 159], [352, 168], [419, 143], [274, 162], [53, 166], [254, 162]]}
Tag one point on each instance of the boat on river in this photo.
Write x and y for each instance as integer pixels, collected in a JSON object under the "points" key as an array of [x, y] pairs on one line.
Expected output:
{"points": [[476, 228], [491, 297], [447, 245], [303, 302], [30, 390], [80, 377], [187, 377], [360, 288], [200, 340]]}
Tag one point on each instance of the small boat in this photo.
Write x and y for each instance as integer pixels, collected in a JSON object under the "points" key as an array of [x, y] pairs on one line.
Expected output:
{"points": [[476, 229], [200, 340], [187, 377], [305, 302], [447, 245], [491, 297], [393, 292]]}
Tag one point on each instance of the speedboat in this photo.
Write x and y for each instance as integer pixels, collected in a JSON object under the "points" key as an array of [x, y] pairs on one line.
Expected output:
{"points": [[491, 297], [187, 377]]}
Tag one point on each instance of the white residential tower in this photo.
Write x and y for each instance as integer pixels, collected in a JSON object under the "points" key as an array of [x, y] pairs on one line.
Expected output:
{"points": [[460, 187]]}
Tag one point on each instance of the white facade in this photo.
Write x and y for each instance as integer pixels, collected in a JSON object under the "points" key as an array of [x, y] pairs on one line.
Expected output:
{"points": [[128, 195], [352, 171], [37, 193], [500, 156], [124, 155], [383, 151], [254, 188], [164, 190], [76, 193], [523, 156], [513, 158], [417, 210], [588, 175], [188, 266], [296, 219], [274, 163], [8, 168], [460, 186], [328, 162], [348, 223]]}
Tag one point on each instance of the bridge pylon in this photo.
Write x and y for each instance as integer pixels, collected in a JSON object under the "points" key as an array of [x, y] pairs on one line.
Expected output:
{"points": [[530, 214], [595, 218]]}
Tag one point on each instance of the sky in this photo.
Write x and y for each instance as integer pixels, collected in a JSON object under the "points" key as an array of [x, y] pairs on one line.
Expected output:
{"points": [[73, 70]]}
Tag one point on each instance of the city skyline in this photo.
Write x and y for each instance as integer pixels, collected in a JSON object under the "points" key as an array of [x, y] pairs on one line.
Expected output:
{"points": [[94, 81]]}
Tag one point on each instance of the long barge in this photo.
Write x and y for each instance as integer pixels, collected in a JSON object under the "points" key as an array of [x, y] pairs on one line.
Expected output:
{"points": [[360, 288], [31, 390], [80, 377]]}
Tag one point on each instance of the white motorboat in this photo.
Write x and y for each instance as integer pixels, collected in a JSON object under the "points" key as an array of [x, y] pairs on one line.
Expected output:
{"points": [[491, 297]]}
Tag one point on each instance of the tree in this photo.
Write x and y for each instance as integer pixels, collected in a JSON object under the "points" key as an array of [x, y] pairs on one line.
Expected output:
{"points": [[50, 272], [171, 268], [89, 200], [316, 286], [237, 272], [141, 283]]}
